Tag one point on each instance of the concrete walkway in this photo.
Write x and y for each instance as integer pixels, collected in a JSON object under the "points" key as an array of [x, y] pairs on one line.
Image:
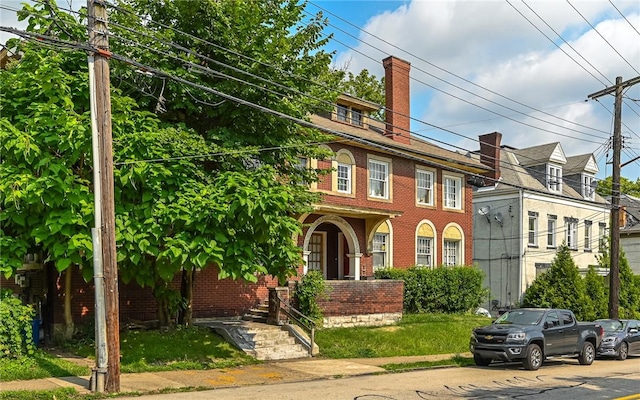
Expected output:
{"points": [[266, 373]]}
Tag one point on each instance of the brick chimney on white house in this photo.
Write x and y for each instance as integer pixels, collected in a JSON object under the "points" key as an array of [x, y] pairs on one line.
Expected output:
{"points": [[396, 87], [490, 154]]}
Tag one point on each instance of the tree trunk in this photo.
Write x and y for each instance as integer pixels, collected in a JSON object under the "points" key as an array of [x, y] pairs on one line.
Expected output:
{"points": [[68, 329], [185, 316]]}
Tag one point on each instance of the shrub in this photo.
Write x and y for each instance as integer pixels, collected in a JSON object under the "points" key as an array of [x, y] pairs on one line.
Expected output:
{"points": [[15, 330], [307, 291], [560, 287], [598, 295], [443, 289]]}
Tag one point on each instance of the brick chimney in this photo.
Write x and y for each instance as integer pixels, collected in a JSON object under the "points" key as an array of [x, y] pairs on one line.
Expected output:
{"points": [[490, 153], [396, 87]]}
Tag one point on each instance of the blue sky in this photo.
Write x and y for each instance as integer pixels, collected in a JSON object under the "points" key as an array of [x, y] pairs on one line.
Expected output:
{"points": [[522, 68]]}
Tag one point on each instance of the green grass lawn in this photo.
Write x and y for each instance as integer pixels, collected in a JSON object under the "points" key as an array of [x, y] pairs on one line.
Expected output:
{"points": [[40, 365], [194, 348], [416, 334]]}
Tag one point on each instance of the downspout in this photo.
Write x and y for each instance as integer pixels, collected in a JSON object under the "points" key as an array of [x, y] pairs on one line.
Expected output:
{"points": [[520, 247]]}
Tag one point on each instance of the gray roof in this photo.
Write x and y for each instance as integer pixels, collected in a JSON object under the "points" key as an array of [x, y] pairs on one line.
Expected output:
{"points": [[535, 155]]}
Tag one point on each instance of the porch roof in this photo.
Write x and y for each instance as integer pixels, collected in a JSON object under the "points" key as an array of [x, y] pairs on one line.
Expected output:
{"points": [[355, 212]]}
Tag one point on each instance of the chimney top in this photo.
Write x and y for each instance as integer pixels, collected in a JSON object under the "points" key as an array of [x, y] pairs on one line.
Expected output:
{"points": [[396, 84]]}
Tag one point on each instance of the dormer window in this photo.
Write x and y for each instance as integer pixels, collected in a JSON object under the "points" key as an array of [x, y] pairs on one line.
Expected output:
{"points": [[342, 113], [349, 115], [588, 187], [554, 178]]}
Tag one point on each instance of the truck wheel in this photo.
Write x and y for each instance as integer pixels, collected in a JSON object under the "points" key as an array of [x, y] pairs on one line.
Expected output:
{"points": [[624, 351], [480, 361], [588, 354], [533, 359]]}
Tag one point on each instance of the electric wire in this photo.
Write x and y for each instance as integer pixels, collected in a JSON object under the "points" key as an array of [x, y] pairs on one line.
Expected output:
{"points": [[625, 18]]}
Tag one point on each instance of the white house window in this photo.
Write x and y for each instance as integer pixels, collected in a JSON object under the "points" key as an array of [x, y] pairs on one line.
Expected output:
{"points": [[423, 251], [451, 251], [571, 226], [380, 250], [533, 229], [551, 231], [588, 187], [554, 178], [378, 179], [344, 178], [602, 237], [424, 185], [587, 235], [452, 192]]}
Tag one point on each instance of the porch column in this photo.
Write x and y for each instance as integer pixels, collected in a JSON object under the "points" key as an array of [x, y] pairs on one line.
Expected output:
{"points": [[305, 258], [354, 265]]}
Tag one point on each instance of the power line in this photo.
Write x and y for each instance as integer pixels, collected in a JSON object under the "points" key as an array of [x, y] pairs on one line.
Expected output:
{"points": [[625, 18]]}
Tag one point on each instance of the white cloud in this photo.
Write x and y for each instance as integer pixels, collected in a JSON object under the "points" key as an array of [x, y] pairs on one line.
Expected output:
{"points": [[492, 45]]}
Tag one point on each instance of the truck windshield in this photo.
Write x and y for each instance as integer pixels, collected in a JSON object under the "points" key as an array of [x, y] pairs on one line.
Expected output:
{"points": [[521, 317]]}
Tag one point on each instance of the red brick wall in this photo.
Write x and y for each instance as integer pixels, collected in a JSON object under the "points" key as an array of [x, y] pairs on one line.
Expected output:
{"points": [[362, 297], [404, 226]]}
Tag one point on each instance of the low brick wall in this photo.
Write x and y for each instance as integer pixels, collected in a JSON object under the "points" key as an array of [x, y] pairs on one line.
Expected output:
{"points": [[362, 303]]}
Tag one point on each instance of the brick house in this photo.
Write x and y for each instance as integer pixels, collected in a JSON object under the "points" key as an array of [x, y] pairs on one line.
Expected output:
{"points": [[391, 200]]}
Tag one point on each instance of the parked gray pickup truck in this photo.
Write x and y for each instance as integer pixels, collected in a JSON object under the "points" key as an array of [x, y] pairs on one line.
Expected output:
{"points": [[533, 334]]}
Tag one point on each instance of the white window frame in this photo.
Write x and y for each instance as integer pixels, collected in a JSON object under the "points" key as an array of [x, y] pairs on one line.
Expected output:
{"points": [[533, 229], [588, 191], [602, 237], [587, 235], [449, 182], [346, 180], [571, 236], [381, 246], [450, 252], [554, 178], [381, 175], [552, 226], [424, 249], [425, 182]]}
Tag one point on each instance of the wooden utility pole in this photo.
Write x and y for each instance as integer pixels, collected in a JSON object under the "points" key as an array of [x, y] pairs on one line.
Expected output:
{"points": [[99, 41], [614, 255]]}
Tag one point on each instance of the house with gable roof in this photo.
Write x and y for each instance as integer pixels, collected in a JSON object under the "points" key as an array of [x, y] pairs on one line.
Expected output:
{"points": [[535, 199]]}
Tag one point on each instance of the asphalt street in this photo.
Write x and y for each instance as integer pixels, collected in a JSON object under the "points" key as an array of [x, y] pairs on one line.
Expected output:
{"points": [[557, 379]]}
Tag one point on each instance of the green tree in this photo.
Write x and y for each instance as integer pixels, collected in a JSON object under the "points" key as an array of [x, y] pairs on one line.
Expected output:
{"points": [[627, 186], [200, 185], [364, 86], [597, 293], [629, 292], [560, 287]]}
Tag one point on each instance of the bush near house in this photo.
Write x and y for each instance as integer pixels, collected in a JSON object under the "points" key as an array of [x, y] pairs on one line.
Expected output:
{"points": [[563, 287], [444, 289], [15, 327]]}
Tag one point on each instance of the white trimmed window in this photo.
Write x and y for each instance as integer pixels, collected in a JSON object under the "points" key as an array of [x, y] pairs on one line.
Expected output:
{"points": [[316, 252], [379, 179], [452, 192], [571, 227], [554, 178], [344, 178], [424, 251], [356, 117], [424, 187], [380, 250], [588, 187], [451, 252], [602, 237], [587, 235], [533, 229], [551, 231]]}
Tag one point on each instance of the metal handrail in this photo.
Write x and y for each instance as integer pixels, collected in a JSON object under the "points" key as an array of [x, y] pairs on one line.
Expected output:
{"points": [[291, 312]]}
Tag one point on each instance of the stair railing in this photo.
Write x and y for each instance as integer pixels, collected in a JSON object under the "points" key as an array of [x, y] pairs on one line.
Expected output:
{"points": [[300, 319]]}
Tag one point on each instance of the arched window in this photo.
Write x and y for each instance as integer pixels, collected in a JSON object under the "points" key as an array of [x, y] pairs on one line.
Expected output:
{"points": [[344, 173], [452, 245], [425, 239], [382, 246]]}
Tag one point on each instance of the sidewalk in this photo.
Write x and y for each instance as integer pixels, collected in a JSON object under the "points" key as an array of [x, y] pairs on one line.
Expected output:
{"points": [[267, 373]]}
